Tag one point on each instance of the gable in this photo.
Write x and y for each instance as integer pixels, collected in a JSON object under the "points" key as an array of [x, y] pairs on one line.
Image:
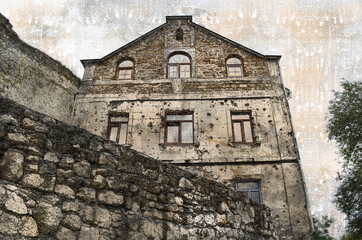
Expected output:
{"points": [[207, 50]]}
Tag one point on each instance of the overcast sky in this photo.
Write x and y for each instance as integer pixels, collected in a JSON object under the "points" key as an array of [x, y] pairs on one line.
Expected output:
{"points": [[319, 40]]}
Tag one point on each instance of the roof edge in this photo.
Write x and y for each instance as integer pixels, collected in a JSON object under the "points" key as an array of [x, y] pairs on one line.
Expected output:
{"points": [[179, 17]]}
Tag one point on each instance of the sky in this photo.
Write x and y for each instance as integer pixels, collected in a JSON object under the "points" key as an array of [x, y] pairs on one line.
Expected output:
{"points": [[319, 40]]}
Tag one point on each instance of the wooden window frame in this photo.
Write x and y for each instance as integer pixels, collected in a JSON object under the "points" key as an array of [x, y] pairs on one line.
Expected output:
{"points": [[249, 191], [179, 143], [116, 77], [118, 125], [235, 65], [241, 121], [178, 64]]}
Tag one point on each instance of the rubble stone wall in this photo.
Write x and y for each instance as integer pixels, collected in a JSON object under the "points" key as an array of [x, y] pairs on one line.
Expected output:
{"points": [[58, 181], [32, 78]]}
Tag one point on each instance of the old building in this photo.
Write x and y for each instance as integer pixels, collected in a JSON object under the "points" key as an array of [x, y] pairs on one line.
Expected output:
{"points": [[186, 95]]}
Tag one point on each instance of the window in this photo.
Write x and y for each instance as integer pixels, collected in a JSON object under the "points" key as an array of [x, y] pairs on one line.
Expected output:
{"points": [[179, 128], [179, 34], [242, 128], [117, 129], [251, 189], [234, 67], [179, 66], [125, 70]]}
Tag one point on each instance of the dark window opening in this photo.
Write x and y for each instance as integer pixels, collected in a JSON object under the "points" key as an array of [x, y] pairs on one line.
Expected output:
{"points": [[179, 34]]}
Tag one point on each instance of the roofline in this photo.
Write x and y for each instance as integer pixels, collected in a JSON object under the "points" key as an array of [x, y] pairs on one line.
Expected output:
{"points": [[235, 43], [185, 17], [85, 61]]}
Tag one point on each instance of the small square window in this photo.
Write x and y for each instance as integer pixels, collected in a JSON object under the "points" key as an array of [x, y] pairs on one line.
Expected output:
{"points": [[179, 128], [250, 189], [242, 127], [117, 129]]}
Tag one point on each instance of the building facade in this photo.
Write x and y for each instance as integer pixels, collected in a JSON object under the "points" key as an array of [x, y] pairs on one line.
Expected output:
{"points": [[185, 95]]}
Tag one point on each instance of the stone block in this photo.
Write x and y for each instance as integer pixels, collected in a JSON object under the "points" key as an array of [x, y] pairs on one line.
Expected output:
{"points": [[11, 166]]}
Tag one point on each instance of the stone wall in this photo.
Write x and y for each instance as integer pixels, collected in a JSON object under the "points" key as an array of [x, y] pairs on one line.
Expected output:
{"points": [[61, 182], [34, 79]]}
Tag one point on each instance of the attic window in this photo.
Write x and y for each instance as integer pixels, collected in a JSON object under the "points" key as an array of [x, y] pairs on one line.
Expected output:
{"points": [[179, 66], [125, 70], [179, 34], [234, 67]]}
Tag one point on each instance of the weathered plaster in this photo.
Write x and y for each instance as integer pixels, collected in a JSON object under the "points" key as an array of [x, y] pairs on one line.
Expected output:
{"points": [[319, 42]]}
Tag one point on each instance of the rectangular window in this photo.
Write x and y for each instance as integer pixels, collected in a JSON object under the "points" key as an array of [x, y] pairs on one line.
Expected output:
{"points": [[117, 128], [234, 71], [242, 127], [125, 74], [251, 189], [179, 128]]}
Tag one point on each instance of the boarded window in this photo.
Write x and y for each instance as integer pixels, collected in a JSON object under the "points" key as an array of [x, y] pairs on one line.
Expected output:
{"points": [[125, 70], [179, 128], [234, 67], [117, 129], [251, 189], [242, 127]]}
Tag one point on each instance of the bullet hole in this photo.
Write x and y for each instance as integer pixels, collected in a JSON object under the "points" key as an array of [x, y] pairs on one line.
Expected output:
{"points": [[208, 114], [210, 137], [270, 121], [150, 125], [247, 104], [211, 125], [281, 129], [143, 116], [202, 131], [222, 103], [264, 109], [217, 145], [164, 103]]}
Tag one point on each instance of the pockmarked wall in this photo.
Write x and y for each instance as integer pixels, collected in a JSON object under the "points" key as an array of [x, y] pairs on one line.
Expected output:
{"points": [[319, 41], [31, 77], [58, 181]]}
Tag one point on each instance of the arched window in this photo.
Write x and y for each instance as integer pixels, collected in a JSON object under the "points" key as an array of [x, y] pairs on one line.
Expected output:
{"points": [[179, 66], [125, 69], [234, 67]]}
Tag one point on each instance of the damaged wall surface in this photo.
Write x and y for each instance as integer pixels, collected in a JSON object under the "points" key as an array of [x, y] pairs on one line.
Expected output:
{"points": [[32, 78], [62, 182], [235, 129]]}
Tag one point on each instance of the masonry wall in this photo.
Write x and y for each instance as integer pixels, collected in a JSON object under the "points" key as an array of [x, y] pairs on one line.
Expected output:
{"points": [[34, 79], [211, 96], [61, 182]]}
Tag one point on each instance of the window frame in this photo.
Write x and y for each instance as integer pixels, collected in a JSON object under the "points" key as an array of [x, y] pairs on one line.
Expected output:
{"points": [[241, 121], [124, 68], [249, 191], [178, 65], [179, 143], [119, 125], [241, 65]]}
